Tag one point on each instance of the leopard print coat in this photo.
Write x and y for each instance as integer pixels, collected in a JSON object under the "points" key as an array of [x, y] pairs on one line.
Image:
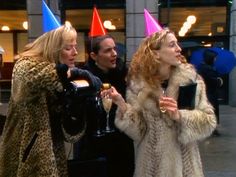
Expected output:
{"points": [[163, 147], [32, 143]]}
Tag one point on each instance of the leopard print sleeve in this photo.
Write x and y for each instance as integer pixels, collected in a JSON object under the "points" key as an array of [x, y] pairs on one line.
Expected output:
{"points": [[37, 75]]}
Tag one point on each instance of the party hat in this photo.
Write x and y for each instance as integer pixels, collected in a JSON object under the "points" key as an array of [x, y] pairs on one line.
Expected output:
{"points": [[97, 28], [151, 24], [49, 20], [2, 50]]}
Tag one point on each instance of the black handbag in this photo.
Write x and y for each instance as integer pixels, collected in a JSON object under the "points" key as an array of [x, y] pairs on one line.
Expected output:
{"points": [[186, 98], [78, 103]]}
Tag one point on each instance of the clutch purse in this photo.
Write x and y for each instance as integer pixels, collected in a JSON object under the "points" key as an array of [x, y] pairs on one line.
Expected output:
{"points": [[186, 98]]}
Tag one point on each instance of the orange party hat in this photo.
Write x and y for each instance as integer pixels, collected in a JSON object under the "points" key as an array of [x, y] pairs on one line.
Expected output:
{"points": [[97, 28]]}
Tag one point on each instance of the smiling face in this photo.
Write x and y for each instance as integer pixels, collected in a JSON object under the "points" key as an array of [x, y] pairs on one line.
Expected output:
{"points": [[169, 52], [106, 57], [69, 53]]}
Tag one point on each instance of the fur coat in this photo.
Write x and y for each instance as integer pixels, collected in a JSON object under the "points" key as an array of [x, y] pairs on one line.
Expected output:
{"points": [[32, 143], [163, 147]]}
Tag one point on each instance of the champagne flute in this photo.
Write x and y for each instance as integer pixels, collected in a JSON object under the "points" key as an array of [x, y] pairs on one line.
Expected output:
{"points": [[162, 108], [107, 103], [164, 87]]}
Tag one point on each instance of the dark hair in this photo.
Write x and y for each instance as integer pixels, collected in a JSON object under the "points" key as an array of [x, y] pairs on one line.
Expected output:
{"points": [[93, 43], [209, 56]]}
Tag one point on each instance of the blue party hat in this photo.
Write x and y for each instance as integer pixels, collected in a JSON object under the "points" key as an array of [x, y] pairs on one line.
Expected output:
{"points": [[49, 20]]}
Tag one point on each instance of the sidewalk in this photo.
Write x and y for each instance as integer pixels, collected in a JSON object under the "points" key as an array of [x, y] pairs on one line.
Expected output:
{"points": [[219, 153]]}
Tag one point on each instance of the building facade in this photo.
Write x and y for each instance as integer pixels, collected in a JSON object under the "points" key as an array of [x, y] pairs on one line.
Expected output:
{"points": [[215, 25]]}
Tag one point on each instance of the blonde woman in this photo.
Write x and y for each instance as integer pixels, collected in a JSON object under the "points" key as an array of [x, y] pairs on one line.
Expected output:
{"points": [[165, 136], [32, 142]]}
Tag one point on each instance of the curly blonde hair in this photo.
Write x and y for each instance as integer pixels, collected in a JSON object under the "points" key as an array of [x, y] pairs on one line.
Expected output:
{"points": [[144, 62]]}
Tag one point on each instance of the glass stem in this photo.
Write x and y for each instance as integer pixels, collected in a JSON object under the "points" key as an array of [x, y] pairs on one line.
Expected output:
{"points": [[107, 117]]}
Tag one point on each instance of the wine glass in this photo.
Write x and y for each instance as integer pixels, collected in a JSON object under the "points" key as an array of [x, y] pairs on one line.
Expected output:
{"points": [[162, 109], [164, 86], [107, 103]]}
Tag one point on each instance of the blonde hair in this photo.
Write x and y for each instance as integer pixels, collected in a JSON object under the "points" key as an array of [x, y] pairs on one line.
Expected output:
{"points": [[48, 46]]}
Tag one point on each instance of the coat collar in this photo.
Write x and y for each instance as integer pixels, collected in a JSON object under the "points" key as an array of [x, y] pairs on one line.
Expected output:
{"points": [[184, 74]]}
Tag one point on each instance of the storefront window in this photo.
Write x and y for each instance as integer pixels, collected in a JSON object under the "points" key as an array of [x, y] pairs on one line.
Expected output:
{"points": [[205, 23]]}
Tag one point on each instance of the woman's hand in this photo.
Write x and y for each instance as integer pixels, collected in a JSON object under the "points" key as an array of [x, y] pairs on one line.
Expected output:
{"points": [[116, 98], [77, 73], [170, 106]]}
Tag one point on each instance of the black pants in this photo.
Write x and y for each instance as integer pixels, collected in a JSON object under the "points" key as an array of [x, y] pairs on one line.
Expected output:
{"points": [[116, 149], [89, 168]]}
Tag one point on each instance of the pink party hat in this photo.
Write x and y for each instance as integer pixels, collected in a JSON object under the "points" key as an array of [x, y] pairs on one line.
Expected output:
{"points": [[151, 24]]}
